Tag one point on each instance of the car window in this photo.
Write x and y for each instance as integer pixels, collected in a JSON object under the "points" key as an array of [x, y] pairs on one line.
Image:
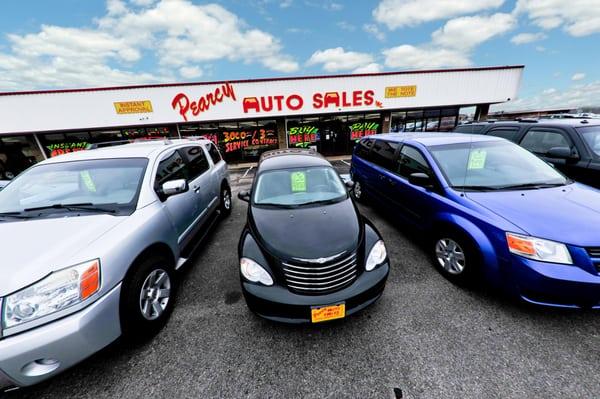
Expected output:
{"points": [[541, 141], [473, 129], [383, 153], [412, 161], [509, 133], [363, 148], [214, 153], [197, 161], [173, 167], [592, 137]]}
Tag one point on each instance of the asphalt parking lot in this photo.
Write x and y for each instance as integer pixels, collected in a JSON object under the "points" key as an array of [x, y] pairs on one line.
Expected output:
{"points": [[425, 337]]}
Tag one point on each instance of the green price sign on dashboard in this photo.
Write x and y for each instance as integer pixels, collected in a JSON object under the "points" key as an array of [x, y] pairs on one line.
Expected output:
{"points": [[298, 180]]}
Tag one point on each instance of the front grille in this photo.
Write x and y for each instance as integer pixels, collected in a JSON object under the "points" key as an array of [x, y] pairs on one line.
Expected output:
{"points": [[314, 278], [594, 252]]}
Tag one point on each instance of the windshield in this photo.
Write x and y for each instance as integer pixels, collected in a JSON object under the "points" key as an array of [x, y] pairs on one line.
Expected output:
{"points": [[493, 165], [592, 137], [299, 186], [111, 183]]}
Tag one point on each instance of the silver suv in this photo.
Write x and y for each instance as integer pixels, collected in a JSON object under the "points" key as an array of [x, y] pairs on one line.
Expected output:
{"points": [[90, 245]]}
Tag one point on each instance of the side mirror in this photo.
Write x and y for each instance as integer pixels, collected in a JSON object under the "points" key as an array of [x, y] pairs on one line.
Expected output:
{"points": [[562, 153], [420, 179], [349, 184], [244, 196], [174, 187]]}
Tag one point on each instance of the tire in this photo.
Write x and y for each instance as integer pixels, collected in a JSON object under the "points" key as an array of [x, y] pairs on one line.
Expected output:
{"points": [[144, 311], [456, 257], [226, 203], [358, 192]]}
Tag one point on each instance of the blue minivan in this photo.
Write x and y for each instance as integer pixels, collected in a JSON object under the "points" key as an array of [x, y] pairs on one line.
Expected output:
{"points": [[490, 210]]}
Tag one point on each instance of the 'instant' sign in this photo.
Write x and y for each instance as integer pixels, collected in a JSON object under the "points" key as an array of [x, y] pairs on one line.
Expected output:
{"points": [[133, 107]]}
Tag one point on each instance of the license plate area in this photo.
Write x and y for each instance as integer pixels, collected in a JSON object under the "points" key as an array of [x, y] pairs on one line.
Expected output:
{"points": [[327, 312]]}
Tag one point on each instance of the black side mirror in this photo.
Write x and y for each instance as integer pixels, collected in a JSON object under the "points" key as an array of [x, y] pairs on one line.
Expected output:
{"points": [[421, 180], [562, 153], [244, 196], [349, 184]]}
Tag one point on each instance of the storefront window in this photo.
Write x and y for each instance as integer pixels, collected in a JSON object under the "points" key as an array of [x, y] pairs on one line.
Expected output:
{"points": [[247, 140], [17, 153], [432, 123], [303, 132], [414, 121], [397, 123]]}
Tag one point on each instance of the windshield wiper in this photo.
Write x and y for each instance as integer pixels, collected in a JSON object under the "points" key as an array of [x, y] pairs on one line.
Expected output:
{"points": [[476, 188], [15, 215], [532, 185], [73, 207]]}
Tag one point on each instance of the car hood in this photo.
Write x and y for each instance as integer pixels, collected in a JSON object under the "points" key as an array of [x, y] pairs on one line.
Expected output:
{"points": [[308, 233], [568, 214], [31, 249]]}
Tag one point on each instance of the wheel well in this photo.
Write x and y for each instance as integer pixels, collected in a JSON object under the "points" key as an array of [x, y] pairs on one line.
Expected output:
{"points": [[225, 183], [452, 228], [156, 249]]}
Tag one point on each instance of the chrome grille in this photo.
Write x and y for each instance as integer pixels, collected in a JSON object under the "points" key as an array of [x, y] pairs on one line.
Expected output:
{"points": [[320, 278], [594, 252]]}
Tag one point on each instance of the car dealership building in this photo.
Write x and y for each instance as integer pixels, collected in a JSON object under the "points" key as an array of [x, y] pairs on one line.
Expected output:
{"points": [[247, 117]]}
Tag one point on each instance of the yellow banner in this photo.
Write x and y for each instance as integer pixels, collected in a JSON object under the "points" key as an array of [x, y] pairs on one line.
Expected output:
{"points": [[400, 91], [133, 107]]}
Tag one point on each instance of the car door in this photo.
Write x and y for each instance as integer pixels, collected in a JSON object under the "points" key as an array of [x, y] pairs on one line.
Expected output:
{"points": [[181, 208], [414, 202], [540, 140], [218, 170], [200, 181], [383, 155], [362, 168]]}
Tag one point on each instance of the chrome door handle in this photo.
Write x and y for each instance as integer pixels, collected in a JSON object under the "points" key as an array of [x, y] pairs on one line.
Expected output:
{"points": [[197, 189]]}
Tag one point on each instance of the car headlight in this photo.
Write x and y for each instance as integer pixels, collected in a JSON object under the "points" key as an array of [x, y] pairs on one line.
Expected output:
{"points": [[56, 292], [377, 256], [538, 249], [254, 272]]}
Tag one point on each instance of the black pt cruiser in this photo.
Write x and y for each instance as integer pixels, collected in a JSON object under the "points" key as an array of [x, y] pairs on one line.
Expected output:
{"points": [[306, 254]]}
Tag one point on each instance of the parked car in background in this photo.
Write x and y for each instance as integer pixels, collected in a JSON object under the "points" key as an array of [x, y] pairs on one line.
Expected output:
{"points": [[489, 209], [90, 244], [306, 254], [571, 145]]}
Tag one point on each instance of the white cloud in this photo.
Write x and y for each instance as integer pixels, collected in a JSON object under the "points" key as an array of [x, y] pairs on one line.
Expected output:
{"points": [[190, 72], [286, 3], [374, 31], [524, 38], [407, 56], [369, 68], [576, 96], [338, 59], [578, 76], [178, 33], [347, 26], [467, 32], [578, 18], [400, 13]]}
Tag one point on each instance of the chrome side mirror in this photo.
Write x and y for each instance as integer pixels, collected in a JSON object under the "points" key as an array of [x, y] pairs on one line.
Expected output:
{"points": [[174, 187]]}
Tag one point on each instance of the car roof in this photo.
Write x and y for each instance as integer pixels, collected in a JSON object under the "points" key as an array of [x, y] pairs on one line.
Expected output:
{"points": [[573, 122], [431, 139], [139, 149], [291, 158]]}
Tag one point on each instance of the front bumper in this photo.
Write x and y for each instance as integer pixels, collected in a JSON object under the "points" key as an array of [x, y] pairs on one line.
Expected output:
{"points": [[556, 285], [279, 304], [68, 341]]}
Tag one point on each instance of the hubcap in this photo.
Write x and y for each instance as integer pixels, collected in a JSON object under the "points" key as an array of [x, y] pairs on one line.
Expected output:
{"points": [[155, 294], [357, 190], [450, 256], [227, 199]]}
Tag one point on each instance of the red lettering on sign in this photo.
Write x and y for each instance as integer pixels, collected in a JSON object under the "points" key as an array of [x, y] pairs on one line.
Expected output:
{"points": [[182, 103]]}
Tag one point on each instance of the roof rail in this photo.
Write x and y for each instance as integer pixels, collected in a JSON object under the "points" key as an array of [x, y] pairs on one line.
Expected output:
{"points": [[288, 151], [115, 143]]}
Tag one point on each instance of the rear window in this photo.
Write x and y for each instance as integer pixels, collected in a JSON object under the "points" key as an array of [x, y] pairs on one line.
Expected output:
{"points": [[508, 133], [591, 135], [363, 148]]}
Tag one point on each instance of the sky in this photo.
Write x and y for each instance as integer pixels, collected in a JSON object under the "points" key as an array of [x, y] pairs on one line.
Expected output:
{"points": [[75, 44]]}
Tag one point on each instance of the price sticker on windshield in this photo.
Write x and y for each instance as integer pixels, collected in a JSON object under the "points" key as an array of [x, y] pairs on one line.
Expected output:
{"points": [[87, 181], [298, 180], [477, 159]]}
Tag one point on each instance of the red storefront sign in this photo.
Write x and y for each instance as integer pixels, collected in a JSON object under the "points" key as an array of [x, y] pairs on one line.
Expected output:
{"points": [[182, 103]]}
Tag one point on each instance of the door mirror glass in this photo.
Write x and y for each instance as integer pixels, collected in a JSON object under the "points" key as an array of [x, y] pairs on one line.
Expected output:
{"points": [[244, 196], [561, 152], [174, 187], [420, 179]]}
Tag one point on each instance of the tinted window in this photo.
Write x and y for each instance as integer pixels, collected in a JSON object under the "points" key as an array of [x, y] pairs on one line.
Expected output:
{"points": [[172, 167], [509, 133], [592, 137], [411, 161], [539, 141], [214, 153], [383, 153], [473, 129], [17, 153], [362, 149], [197, 161]]}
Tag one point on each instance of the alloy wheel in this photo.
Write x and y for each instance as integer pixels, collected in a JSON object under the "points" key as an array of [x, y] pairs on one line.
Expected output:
{"points": [[155, 294], [226, 199], [357, 190], [450, 256]]}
